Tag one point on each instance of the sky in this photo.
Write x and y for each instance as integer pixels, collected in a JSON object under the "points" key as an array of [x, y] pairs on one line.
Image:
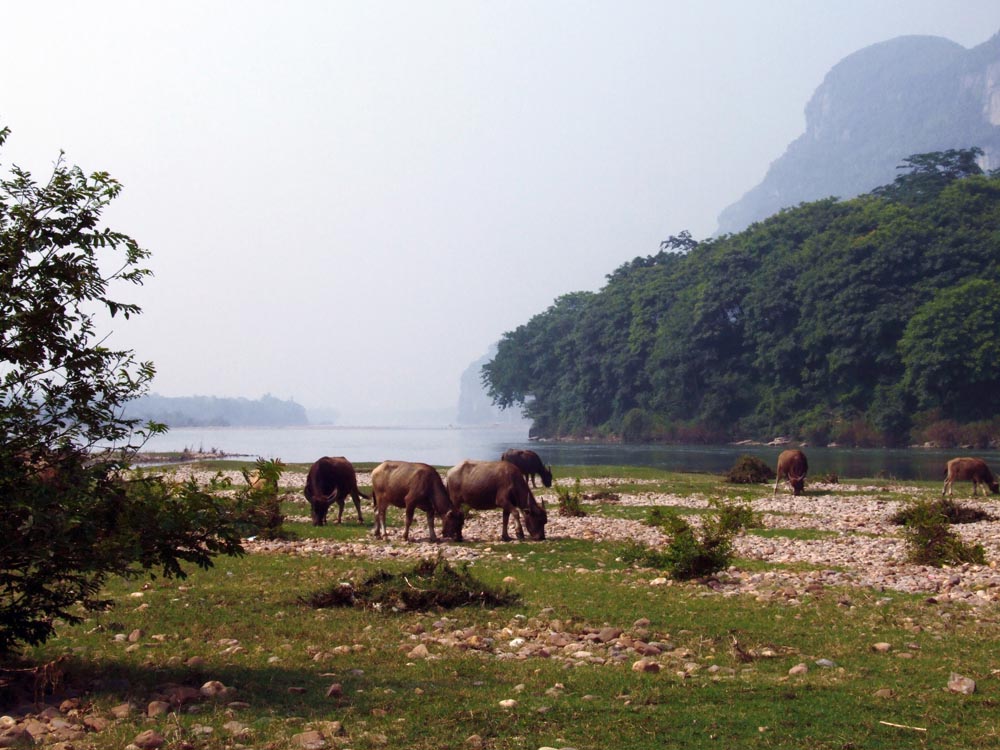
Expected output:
{"points": [[348, 202]]}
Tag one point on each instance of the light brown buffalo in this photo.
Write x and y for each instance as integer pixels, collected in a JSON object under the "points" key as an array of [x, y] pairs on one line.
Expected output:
{"points": [[530, 464], [484, 485], [966, 469], [792, 465], [412, 486], [331, 480]]}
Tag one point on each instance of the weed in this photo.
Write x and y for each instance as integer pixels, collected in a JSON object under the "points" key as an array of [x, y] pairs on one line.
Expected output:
{"points": [[260, 502], [570, 500]]}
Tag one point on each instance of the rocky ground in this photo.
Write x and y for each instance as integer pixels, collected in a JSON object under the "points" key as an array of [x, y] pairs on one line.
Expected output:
{"points": [[859, 547]]}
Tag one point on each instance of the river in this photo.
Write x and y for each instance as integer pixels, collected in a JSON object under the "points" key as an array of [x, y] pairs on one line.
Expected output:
{"points": [[447, 446]]}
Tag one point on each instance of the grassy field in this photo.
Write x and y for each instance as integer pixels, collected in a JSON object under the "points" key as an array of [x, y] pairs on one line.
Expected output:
{"points": [[548, 671]]}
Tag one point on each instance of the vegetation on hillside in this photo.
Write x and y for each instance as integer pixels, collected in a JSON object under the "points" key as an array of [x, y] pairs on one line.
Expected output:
{"points": [[866, 322]]}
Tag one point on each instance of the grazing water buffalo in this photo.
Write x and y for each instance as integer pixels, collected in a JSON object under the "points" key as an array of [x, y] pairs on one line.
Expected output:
{"points": [[331, 479], [974, 469], [792, 465], [411, 486], [530, 464], [483, 485]]}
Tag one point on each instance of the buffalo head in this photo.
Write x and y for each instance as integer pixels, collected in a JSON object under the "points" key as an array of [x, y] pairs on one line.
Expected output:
{"points": [[451, 525], [535, 519]]}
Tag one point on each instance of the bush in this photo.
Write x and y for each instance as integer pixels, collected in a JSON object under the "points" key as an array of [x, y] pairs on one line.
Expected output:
{"points": [[689, 554], [260, 501], [749, 470], [570, 501], [931, 541], [954, 512], [735, 516]]}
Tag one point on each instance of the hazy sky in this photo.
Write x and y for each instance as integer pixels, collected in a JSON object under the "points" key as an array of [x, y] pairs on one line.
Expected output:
{"points": [[347, 202]]}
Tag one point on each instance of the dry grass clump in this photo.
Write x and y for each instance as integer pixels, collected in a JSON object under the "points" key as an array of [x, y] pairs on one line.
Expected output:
{"points": [[430, 584], [749, 470]]}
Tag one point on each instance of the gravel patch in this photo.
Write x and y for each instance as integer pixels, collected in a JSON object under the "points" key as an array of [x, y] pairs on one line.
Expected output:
{"points": [[860, 547]]}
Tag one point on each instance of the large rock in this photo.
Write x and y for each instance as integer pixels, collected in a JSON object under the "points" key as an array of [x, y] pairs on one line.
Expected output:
{"points": [[877, 106]]}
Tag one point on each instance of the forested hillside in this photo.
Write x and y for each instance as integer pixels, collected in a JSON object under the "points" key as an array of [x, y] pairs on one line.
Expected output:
{"points": [[870, 321]]}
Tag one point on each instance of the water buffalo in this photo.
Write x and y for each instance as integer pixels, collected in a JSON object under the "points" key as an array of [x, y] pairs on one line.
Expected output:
{"points": [[530, 464], [792, 465], [974, 469], [331, 479], [411, 486], [483, 485]]}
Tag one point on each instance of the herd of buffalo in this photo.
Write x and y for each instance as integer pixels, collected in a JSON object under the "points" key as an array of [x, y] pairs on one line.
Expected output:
{"points": [[480, 485], [503, 484]]}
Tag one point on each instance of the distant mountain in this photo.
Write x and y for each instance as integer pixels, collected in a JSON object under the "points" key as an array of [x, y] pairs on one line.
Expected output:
{"points": [[475, 406], [910, 95], [210, 411]]}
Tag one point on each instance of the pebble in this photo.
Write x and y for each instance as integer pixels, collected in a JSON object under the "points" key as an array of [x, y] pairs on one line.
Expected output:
{"points": [[962, 685], [149, 740]]}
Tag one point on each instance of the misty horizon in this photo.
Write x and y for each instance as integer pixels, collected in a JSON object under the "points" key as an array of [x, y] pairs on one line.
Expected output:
{"points": [[349, 204]]}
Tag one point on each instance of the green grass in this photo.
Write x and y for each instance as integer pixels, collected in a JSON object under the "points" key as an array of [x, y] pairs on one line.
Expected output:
{"points": [[246, 620]]}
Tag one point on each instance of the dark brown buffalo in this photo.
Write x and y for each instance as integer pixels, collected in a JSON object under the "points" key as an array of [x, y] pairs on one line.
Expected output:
{"points": [[974, 469], [331, 480], [412, 486], [792, 465], [484, 485], [530, 464]]}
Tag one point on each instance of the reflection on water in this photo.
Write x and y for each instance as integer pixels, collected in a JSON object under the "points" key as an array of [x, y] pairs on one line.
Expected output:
{"points": [[448, 446]]}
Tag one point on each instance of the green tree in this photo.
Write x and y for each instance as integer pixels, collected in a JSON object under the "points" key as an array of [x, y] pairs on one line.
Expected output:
{"points": [[792, 326], [951, 352], [928, 174], [71, 517]]}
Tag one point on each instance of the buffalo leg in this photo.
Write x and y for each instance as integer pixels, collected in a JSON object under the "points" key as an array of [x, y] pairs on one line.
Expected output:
{"points": [[505, 537], [357, 505], [409, 522]]}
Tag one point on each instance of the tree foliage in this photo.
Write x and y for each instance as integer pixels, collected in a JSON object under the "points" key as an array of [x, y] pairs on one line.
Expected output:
{"points": [[71, 516], [825, 321]]}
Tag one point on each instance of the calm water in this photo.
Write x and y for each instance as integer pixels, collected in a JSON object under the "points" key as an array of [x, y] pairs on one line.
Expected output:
{"points": [[448, 446]]}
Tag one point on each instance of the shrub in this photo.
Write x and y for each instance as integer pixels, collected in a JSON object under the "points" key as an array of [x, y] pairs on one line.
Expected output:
{"points": [[570, 500], [260, 501], [735, 516], [692, 553], [931, 541], [952, 511], [687, 556], [749, 470]]}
